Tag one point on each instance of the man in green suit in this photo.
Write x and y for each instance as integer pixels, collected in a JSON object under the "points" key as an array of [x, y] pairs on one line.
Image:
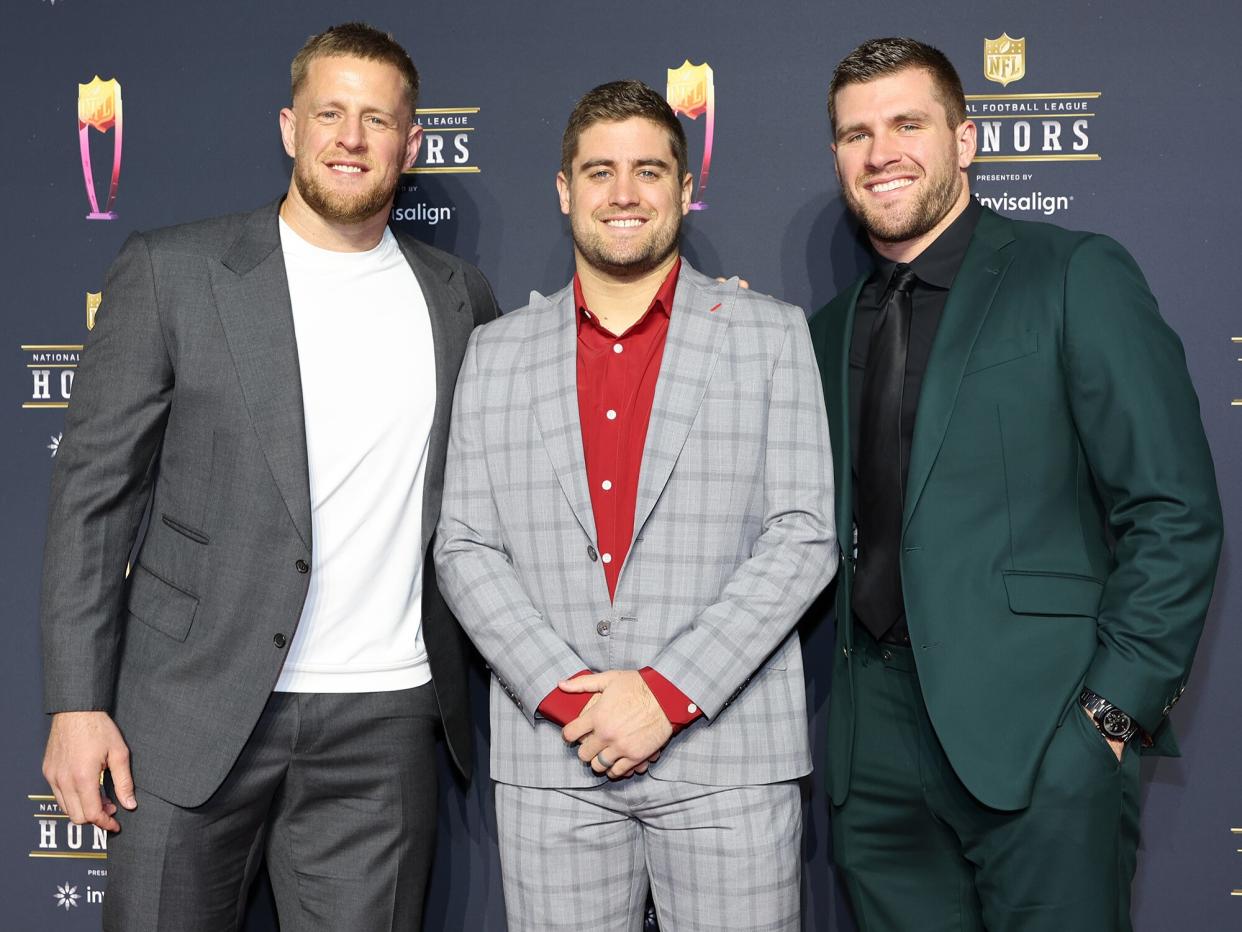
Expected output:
{"points": [[1018, 448]]}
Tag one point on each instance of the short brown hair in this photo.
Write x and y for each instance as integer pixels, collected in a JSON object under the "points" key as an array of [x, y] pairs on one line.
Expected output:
{"points": [[879, 58], [617, 101], [356, 40]]}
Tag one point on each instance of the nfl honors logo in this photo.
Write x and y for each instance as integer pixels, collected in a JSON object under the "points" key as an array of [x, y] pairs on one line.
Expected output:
{"points": [[1028, 126], [1004, 59], [93, 300], [447, 143]]}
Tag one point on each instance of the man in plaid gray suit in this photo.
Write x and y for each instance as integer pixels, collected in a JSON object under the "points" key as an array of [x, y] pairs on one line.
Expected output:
{"points": [[637, 509]]}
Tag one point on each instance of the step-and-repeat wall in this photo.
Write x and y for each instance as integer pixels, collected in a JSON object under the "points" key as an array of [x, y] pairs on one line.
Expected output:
{"points": [[133, 114]]}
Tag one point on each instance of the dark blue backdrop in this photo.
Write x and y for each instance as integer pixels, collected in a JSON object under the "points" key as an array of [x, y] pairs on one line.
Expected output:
{"points": [[1143, 89]]}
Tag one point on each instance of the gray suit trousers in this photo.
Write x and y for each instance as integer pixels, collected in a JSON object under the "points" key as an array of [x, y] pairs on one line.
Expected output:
{"points": [[336, 791], [716, 859]]}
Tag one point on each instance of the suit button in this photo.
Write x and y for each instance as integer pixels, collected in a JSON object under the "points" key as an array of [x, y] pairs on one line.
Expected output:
{"points": [[591, 553], [279, 639], [603, 628], [302, 567]]}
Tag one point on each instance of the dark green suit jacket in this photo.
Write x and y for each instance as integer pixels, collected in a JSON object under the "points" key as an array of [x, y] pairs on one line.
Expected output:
{"points": [[1061, 526]]}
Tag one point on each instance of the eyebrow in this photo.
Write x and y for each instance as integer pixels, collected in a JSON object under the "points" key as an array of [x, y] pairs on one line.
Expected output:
{"points": [[611, 163]]}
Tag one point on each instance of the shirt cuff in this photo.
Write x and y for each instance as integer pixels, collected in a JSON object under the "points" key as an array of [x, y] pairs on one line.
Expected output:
{"points": [[562, 707], [676, 705]]}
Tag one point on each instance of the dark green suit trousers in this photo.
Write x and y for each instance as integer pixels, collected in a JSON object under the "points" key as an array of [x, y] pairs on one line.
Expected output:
{"points": [[919, 853]]}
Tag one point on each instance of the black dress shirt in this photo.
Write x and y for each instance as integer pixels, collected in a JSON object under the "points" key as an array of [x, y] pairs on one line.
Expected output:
{"points": [[936, 267]]}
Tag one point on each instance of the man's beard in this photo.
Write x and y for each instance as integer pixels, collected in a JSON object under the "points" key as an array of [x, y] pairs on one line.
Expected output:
{"points": [[629, 260], [939, 194], [340, 208]]}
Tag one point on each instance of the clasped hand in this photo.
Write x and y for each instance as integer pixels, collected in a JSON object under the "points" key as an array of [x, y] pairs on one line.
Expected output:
{"points": [[622, 729]]}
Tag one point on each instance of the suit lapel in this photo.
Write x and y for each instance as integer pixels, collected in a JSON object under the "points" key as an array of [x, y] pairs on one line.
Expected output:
{"points": [[974, 288], [251, 293], [702, 309], [839, 330], [832, 331], [447, 306], [552, 355]]}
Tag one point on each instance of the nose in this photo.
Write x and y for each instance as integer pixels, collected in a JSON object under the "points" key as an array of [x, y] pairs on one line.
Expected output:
{"points": [[350, 135], [882, 151], [624, 191]]}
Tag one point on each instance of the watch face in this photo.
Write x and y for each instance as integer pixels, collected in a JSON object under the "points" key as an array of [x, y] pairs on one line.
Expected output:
{"points": [[1115, 723]]}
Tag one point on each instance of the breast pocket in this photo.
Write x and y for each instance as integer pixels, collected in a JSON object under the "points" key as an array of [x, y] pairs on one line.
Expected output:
{"points": [[998, 352]]}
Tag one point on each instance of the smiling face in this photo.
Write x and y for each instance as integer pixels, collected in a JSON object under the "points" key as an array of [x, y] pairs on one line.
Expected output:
{"points": [[623, 198], [901, 166], [351, 134]]}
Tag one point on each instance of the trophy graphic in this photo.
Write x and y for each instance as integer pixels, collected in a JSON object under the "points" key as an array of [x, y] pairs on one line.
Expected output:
{"points": [[99, 106], [692, 91]]}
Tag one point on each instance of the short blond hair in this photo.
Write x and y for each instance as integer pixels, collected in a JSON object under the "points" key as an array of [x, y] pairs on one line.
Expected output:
{"points": [[355, 40]]}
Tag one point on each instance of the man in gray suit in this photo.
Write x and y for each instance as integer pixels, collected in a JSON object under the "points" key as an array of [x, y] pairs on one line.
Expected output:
{"points": [[637, 509], [268, 679]]}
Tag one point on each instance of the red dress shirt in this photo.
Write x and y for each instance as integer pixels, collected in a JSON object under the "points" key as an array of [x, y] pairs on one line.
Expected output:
{"points": [[617, 378]]}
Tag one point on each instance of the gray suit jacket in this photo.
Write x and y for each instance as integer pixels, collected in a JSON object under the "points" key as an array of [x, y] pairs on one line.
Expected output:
{"points": [[188, 400], [733, 533]]}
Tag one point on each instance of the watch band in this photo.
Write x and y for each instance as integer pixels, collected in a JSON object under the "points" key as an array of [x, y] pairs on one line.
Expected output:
{"points": [[1112, 722]]}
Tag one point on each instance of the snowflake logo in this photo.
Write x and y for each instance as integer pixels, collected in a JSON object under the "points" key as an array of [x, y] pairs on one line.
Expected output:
{"points": [[66, 896], [54, 446]]}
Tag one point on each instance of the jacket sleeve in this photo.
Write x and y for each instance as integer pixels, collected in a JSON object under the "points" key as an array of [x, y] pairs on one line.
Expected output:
{"points": [[1137, 417], [482, 299], [475, 572], [100, 485]]}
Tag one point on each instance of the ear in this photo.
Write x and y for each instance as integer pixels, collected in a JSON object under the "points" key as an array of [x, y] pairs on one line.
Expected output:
{"points": [[288, 130], [413, 141], [687, 191], [562, 190], [967, 141]]}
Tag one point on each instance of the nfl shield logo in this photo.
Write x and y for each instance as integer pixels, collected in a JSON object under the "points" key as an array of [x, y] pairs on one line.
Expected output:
{"points": [[97, 103], [688, 88], [1004, 59]]}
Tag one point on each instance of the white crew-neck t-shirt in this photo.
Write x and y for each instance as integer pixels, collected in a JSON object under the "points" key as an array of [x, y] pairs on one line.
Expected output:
{"points": [[369, 394]]}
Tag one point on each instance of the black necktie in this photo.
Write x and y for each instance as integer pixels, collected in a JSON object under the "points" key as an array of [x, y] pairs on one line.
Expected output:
{"points": [[881, 494]]}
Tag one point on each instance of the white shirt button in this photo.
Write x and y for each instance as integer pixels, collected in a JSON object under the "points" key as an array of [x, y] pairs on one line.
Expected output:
{"points": [[606, 484], [611, 414], [617, 347], [606, 557], [692, 708]]}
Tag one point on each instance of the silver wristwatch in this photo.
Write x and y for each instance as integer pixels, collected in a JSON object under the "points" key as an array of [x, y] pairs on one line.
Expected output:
{"points": [[1113, 723]]}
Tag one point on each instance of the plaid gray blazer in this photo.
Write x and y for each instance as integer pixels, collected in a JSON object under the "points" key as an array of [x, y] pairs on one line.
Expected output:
{"points": [[733, 533]]}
